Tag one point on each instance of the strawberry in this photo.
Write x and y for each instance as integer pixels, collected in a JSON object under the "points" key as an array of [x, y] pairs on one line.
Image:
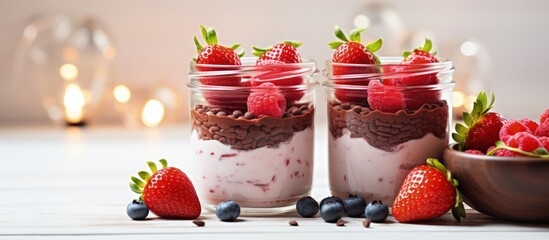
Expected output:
{"points": [[383, 99], [168, 192], [351, 51], [415, 61], [285, 52], [428, 192], [215, 54], [276, 66], [215, 57], [481, 129]]}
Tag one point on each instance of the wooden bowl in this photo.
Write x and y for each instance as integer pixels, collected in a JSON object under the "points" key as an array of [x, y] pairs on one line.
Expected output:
{"points": [[511, 188]]}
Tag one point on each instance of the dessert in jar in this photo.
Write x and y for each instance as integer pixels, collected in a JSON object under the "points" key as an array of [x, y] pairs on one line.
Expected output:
{"points": [[385, 117], [252, 134]]}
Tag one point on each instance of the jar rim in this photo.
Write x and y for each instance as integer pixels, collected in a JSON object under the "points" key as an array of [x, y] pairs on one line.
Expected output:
{"points": [[249, 62]]}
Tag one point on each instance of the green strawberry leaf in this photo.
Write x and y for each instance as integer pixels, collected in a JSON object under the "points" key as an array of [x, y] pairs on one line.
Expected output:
{"points": [[163, 162], [405, 54], [375, 45], [135, 188], [137, 182], [462, 130], [339, 34], [241, 54], [467, 119], [458, 138], [293, 43], [144, 175], [235, 46], [204, 33], [198, 46], [428, 45], [152, 166], [258, 51], [212, 36], [335, 45], [355, 35]]}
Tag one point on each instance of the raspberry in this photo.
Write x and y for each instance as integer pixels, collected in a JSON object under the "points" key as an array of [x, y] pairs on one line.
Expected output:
{"points": [[530, 124], [509, 129], [545, 142], [525, 141], [278, 73], [474, 151], [383, 99], [266, 100], [506, 153], [543, 129], [544, 116]]}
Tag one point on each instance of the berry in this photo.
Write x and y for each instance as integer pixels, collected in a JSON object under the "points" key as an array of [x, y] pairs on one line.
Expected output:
{"points": [[530, 124], [376, 211], [428, 192], [352, 51], [525, 141], [332, 211], [415, 60], [285, 52], [266, 100], [544, 116], [506, 153], [384, 99], [278, 73], [215, 54], [544, 141], [482, 128], [227, 211], [331, 199], [168, 193], [354, 206], [137, 210], [306, 206], [477, 152], [543, 129], [511, 128]]}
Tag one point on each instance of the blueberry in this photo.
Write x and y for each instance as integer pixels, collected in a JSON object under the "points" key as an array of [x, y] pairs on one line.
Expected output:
{"points": [[332, 211], [307, 206], [376, 211], [137, 210], [354, 206], [227, 211], [331, 199]]}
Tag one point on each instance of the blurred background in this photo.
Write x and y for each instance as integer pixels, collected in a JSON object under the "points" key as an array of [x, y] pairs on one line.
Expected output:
{"points": [[125, 62]]}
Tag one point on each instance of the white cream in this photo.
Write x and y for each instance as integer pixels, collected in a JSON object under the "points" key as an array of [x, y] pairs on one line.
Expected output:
{"points": [[262, 177], [356, 167]]}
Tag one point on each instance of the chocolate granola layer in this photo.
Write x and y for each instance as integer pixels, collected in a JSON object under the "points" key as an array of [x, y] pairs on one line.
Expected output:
{"points": [[387, 130], [244, 131]]}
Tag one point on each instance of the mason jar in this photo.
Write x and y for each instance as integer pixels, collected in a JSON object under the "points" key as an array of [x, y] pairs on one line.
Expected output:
{"points": [[383, 120], [264, 162]]}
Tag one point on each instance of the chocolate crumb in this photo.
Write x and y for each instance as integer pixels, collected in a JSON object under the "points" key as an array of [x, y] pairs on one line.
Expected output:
{"points": [[293, 223], [237, 113], [199, 223], [249, 115], [366, 223], [340, 222]]}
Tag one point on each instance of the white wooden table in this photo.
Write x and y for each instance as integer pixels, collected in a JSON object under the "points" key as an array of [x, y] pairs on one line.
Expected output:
{"points": [[60, 183]]}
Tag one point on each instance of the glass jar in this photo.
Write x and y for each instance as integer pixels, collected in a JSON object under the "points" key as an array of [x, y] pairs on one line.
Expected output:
{"points": [[264, 163], [379, 132]]}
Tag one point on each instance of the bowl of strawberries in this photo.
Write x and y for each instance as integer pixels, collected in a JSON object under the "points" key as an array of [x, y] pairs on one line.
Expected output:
{"points": [[502, 165]]}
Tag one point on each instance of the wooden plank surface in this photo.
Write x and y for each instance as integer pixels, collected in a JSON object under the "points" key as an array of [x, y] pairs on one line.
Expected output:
{"points": [[62, 183]]}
